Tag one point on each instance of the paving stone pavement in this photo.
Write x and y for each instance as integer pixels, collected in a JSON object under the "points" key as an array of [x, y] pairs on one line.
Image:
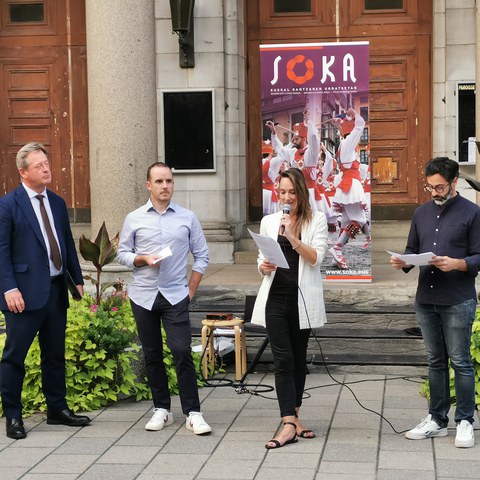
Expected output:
{"points": [[351, 443]]}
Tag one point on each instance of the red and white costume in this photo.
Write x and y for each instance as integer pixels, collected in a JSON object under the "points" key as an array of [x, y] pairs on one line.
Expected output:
{"points": [[321, 194], [367, 187], [349, 198], [270, 168], [349, 193], [306, 159]]}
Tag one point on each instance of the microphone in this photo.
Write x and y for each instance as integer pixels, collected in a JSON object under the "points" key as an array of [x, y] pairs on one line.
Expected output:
{"points": [[285, 211]]}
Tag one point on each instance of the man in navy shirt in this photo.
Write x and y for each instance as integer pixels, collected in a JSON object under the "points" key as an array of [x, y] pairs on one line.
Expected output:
{"points": [[445, 303]]}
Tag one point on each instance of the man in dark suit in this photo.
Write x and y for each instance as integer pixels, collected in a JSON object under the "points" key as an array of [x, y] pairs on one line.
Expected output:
{"points": [[36, 250]]}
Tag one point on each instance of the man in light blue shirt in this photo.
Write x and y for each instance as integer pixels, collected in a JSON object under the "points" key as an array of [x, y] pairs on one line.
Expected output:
{"points": [[155, 242]]}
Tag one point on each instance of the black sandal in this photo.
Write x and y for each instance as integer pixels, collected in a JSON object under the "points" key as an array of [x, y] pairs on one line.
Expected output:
{"points": [[305, 434], [278, 444]]}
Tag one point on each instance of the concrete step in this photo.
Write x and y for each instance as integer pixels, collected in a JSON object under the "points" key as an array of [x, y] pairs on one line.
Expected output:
{"points": [[383, 360], [381, 229], [79, 229], [386, 235], [396, 351], [245, 257], [374, 336], [379, 255]]}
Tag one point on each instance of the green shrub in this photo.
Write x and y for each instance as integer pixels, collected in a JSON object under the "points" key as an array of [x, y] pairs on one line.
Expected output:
{"points": [[101, 348], [100, 252], [101, 344], [475, 351]]}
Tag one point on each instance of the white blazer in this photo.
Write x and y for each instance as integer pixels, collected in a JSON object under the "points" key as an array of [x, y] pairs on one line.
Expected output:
{"points": [[311, 307]]}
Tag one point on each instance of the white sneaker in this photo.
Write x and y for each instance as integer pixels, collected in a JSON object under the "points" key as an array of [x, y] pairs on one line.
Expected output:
{"points": [[160, 418], [196, 423], [465, 437], [425, 429]]}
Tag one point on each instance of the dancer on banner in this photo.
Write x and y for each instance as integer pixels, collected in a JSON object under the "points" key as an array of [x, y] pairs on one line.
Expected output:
{"points": [[270, 169], [349, 199], [290, 300], [326, 165], [304, 147], [367, 188], [302, 152]]}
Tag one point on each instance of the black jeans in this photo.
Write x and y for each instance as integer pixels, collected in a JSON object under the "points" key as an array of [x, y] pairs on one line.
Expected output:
{"points": [[176, 323], [289, 348]]}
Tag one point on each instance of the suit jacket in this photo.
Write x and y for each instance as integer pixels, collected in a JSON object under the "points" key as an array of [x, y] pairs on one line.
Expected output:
{"points": [[24, 262], [311, 307]]}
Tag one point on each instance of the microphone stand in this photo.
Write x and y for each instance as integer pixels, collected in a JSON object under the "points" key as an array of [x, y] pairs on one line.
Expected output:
{"points": [[240, 386]]}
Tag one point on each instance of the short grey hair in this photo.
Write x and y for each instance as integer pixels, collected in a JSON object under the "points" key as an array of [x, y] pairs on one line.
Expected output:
{"points": [[26, 150]]}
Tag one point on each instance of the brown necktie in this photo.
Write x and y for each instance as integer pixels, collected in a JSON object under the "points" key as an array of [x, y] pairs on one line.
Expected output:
{"points": [[54, 251]]}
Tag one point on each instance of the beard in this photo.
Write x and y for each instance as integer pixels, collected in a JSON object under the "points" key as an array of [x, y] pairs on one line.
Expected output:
{"points": [[441, 200]]}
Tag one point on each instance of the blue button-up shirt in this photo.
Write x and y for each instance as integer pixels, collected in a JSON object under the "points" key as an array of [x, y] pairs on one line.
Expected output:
{"points": [[147, 232], [452, 231]]}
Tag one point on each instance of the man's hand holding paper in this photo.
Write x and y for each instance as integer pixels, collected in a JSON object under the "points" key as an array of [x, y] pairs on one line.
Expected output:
{"points": [[399, 261], [447, 264], [164, 253]]}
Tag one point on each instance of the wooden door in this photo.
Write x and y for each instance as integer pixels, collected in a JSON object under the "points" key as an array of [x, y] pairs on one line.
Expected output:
{"points": [[400, 111], [43, 93]]}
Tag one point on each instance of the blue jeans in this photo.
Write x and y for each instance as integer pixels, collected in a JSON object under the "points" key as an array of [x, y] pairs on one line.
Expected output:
{"points": [[447, 331]]}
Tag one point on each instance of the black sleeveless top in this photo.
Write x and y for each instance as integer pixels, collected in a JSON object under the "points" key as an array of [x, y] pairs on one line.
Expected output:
{"points": [[286, 279]]}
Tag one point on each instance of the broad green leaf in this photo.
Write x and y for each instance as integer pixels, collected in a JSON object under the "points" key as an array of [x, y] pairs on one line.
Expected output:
{"points": [[89, 250]]}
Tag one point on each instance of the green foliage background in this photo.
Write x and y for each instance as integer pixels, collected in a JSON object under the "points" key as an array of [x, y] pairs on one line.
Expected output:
{"points": [[101, 350]]}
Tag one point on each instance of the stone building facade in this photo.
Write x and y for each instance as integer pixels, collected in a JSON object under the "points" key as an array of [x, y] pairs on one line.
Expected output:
{"points": [[132, 58]]}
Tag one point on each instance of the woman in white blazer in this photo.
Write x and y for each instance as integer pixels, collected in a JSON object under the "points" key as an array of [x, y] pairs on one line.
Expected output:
{"points": [[290, 301]]}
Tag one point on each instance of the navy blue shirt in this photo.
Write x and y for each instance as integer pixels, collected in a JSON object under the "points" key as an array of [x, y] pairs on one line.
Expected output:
{"points": [[454, 231]]}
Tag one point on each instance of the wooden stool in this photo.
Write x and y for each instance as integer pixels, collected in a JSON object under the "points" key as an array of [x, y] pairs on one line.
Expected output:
{"points": [[208, 330]]}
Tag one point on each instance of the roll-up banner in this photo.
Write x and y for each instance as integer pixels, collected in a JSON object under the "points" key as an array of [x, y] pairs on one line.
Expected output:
{"points": [[315, 117]]}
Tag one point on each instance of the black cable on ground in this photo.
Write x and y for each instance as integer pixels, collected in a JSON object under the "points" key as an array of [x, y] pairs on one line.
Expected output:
{"points": [[346, 384], [258, 389], [240, 387]]}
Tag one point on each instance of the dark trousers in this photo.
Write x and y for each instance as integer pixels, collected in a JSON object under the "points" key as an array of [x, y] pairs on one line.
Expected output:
{"points": [[289, 348], [176, 323], [50, 324]]}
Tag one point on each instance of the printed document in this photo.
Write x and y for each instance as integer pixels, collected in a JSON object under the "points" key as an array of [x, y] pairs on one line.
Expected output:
{"points": [[270, 249], [413, 259], [166, 252]]}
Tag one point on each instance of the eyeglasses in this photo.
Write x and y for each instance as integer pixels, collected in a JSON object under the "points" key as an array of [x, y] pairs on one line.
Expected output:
{"points": [[438, 188]]}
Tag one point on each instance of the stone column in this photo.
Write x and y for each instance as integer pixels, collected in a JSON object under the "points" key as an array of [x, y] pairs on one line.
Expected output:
{"points": [[122, 106]]}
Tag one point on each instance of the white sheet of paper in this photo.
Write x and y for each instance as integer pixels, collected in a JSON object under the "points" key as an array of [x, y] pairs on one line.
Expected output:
{"points": [[412, 259], [166, 252], [270, 248]]}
